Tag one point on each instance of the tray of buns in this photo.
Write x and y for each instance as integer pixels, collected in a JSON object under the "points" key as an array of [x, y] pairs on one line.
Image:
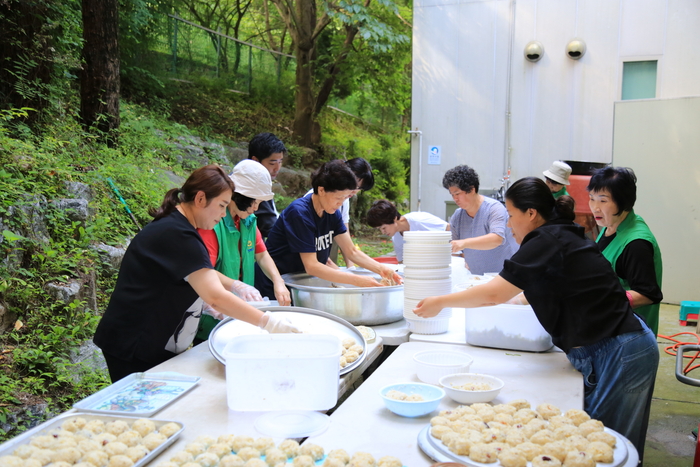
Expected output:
{"points": [[93, 438]]}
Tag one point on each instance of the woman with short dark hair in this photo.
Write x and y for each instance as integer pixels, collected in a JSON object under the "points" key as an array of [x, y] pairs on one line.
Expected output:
{"points": [[626, 240], [579, 301], [479, 225], [300, 240]]}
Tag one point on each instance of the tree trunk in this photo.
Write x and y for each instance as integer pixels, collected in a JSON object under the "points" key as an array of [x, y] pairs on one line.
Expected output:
{"points": [[99, 80], [303, 98]]}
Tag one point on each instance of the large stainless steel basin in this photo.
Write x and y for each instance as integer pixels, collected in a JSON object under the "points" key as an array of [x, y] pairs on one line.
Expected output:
{"points": [[369, 306]]}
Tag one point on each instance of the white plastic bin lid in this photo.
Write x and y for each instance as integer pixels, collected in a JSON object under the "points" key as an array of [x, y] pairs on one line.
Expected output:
{"points": [[292, 423]]}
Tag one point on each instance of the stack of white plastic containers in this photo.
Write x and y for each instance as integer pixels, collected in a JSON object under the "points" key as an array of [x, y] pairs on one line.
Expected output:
{"points": [[427, 271]]}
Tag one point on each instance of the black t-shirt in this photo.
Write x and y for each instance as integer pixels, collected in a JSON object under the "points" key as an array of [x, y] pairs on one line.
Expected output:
{"points": [[636, 266], [572, 288], [153, 312], [267, 216]]}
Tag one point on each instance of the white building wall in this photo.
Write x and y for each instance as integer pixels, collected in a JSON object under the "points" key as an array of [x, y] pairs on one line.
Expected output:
{"points": [[559, 108]]}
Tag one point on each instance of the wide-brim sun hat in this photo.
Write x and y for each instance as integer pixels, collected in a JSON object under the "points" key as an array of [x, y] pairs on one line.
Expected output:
{"points": [[559, 172], [252, 179]]}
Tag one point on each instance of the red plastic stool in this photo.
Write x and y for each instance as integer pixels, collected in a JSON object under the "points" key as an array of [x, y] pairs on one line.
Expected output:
{"points": [[688, 312]]}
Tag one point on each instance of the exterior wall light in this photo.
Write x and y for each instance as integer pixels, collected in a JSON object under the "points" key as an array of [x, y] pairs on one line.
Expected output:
{"points": [[534, 51], [575, 49]]}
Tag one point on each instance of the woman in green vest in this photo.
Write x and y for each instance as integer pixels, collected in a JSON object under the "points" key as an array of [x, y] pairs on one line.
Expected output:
{"points": [[626, 241], [236, 244], [557, 178]]}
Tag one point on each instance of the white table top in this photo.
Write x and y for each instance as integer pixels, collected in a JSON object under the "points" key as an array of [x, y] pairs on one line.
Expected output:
{"points": [[362, 422], [204, 410], [393, 333]]}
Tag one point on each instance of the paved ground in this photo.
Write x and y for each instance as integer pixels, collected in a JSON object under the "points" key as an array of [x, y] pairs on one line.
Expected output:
{"points": [[675, 408]]}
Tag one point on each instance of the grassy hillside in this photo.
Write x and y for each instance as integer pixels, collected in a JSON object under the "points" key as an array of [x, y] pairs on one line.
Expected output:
{"points": [[37, 165]]}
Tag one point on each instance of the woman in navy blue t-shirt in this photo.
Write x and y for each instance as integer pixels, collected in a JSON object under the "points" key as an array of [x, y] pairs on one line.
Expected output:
{"points": [[301, 239]]}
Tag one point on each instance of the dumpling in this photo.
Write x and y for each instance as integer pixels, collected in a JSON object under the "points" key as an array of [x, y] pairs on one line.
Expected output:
{"points": [[144, 426]]}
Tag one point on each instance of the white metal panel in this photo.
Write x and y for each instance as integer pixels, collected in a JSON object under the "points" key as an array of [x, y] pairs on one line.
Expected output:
{"points": [[681, 61], [594, 83], [540, 122], [459, 89], [560, 108], [659, 139], [643, 27]]}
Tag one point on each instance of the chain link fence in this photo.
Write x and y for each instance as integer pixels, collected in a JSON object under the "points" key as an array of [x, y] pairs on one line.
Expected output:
{"points": [[186, 49]]}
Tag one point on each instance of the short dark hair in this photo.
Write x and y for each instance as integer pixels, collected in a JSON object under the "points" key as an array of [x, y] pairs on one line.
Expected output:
{"points": [[242, 201], [463, 177], [363, 171], [533, 193], [381, 213], [621, 182], [263, 145], [334, 176]]}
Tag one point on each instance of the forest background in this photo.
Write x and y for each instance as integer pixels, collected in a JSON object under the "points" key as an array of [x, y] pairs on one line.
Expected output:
{"points": [[121, 99]]}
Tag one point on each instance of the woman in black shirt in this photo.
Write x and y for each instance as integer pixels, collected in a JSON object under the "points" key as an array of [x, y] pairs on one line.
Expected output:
{"points": [[578, 299]]}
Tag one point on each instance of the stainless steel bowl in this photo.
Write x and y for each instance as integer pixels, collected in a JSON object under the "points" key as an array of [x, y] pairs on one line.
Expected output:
{"points": [[369, 306]]}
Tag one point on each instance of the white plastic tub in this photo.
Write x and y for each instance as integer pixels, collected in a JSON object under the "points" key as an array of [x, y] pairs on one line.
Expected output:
{"points": [[511, 327], [282, 372], [431, 365]]}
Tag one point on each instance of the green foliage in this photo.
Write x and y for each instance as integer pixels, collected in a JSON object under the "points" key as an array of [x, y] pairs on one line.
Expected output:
{"points": [[43, 149], [34, 170]]}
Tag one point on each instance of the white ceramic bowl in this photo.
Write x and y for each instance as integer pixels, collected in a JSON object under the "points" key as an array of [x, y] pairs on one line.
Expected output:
{"points": [[464, 396], [431, 365], [432, 395], [420, 325]]}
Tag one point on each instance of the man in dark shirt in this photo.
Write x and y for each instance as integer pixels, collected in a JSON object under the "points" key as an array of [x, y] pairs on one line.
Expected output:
{"points": [[269, 150]]}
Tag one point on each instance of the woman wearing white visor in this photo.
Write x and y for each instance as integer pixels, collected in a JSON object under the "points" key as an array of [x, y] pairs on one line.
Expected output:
{"points": [[236, 244]]}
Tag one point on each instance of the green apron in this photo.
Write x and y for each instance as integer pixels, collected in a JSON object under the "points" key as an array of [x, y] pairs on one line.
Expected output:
{"points": [[561, 192], [236, 258], [633, 228]]}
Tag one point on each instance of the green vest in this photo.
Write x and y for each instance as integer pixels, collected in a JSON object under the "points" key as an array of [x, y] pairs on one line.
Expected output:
{"points": [[633, 228], [561, 192], [236, 258], [236, 248]]}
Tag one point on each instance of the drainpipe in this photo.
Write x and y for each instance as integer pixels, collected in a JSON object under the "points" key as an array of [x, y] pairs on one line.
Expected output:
{"points": [[509, 73], [420, 161]]}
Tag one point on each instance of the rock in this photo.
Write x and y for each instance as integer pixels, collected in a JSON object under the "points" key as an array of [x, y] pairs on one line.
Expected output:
{"points": [[90, 358], [63, 292], [235, 155], [199, 152], [77, 210], [7, 319], [174, 180], [20, 419], [111, 257], [79, 190], [309, 157], [29, 214], [296, 181]]}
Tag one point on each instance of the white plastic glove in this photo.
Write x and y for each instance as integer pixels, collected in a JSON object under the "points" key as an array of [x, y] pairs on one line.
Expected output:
{"points": [[208, 310], [246, 292], [278, 324]]}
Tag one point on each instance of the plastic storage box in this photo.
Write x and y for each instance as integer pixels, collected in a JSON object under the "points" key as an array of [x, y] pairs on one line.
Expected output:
{"points": [[282, 372], [512, 327]]}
